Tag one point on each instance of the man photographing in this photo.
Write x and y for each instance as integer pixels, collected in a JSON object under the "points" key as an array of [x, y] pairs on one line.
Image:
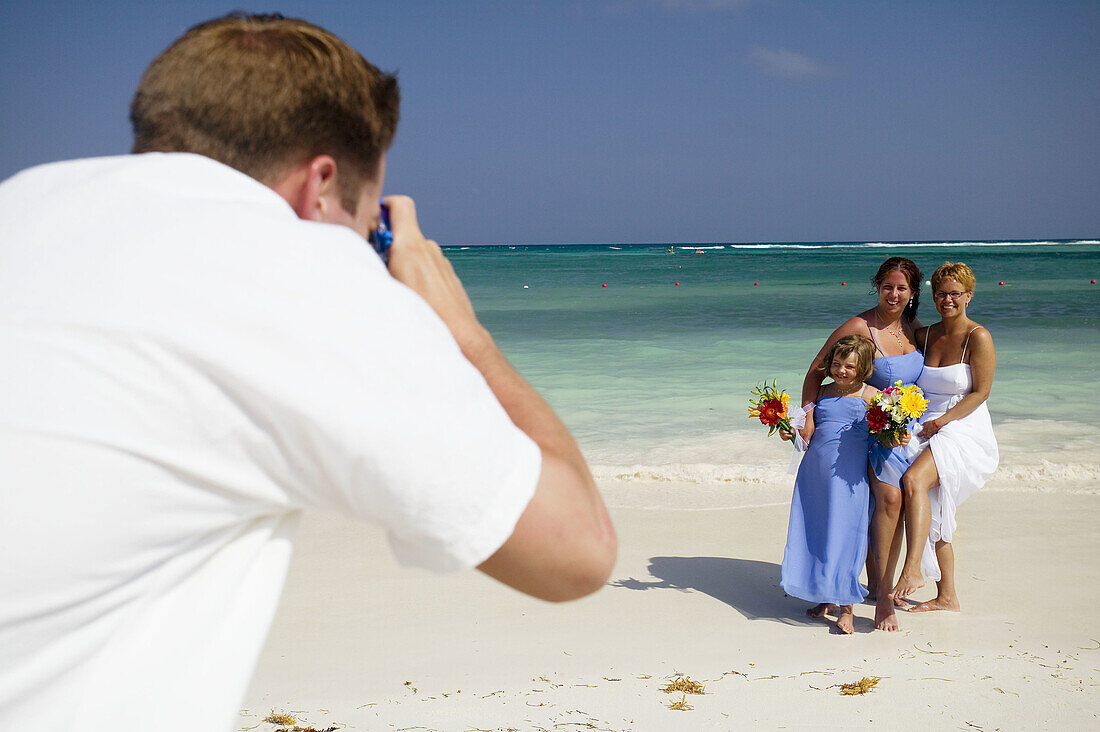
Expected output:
{"points": [[198, 344]]}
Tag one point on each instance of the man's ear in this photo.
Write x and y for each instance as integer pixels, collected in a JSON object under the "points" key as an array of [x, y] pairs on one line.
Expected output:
{"points": [[310, 188]]}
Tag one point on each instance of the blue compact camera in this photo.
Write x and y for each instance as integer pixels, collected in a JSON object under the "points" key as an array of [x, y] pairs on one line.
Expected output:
{"points": [[381, 238]]}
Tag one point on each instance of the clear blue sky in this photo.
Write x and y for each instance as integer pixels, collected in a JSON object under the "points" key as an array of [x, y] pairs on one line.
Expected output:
{"points": [[590, 121]]}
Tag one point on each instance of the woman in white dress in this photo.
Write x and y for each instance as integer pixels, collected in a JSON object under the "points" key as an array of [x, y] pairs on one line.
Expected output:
{"points": [[955, 450]]}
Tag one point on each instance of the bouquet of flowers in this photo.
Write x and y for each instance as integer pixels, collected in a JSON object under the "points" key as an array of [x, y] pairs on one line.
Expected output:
{"points": [[890, 410], [771, 406]]}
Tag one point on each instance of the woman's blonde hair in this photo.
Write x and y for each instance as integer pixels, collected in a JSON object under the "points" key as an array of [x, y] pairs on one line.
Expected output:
{"points": [[957, 271]]}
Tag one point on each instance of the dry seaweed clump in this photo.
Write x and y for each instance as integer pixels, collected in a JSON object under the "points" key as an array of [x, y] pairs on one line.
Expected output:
{"points": [[684, 684], [863, 686], [283, 718], [682, 705], [289, 723]]}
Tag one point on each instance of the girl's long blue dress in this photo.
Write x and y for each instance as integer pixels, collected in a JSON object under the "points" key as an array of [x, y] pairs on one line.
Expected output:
{"points": [[889, 465], [827, 533]]}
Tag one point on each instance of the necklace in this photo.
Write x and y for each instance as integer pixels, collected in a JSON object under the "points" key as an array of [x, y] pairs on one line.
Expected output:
{"points": [[888, 329], [850, 391]]}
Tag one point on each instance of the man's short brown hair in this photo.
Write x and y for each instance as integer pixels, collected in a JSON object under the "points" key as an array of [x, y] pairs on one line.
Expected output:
{"points": [[261, 93]]}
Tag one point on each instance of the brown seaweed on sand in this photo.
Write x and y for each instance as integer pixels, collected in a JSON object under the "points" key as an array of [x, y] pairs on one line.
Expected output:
{"points": [[684, 684], [863, 686], [682, 705], [289, 723], [281, 718]]}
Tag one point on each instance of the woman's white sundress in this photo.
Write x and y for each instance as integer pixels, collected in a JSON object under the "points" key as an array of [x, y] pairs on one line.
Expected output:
{"points": [[965, 451]]}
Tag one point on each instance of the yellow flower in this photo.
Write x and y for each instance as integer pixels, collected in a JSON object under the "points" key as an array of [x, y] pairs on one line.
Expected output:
{"points": [[786, 399], [913, 403]]}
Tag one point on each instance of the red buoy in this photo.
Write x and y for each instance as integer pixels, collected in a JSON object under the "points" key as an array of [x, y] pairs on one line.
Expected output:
{"points": [[1001, 282], [1092, 282], [843, 284], [678, 284], [754, 284], [605, 284]]}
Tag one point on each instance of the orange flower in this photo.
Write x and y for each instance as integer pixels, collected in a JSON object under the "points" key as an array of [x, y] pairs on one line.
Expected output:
{"points": [[771, 407]]}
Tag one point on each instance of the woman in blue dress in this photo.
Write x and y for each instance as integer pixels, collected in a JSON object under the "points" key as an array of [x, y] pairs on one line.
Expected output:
{"points": [[827, 534], [890, 325]]}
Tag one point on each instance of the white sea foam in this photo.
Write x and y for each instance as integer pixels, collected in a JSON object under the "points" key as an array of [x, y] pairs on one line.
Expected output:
{"points": [[956, 244], [790, 246], [907, 245], [1031, 476], [698, 473]]}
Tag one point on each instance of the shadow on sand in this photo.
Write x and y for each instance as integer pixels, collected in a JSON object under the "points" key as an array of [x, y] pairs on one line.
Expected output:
{"points": [[749, 586]]}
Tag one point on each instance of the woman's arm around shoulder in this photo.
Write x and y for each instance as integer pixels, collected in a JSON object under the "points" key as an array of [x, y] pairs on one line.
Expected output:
{"points": [[920, 336], [811, 385]]}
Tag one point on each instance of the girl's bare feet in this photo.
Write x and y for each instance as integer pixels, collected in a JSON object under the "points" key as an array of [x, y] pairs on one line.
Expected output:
{"points": [[885, 618], [908, 583], [819, 610], [938, 603], [845, 620]]}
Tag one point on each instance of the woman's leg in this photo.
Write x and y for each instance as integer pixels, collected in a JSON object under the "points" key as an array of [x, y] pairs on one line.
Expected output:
{"points": [[891, 566], [945, 599], [884, 526], [917, 481]]}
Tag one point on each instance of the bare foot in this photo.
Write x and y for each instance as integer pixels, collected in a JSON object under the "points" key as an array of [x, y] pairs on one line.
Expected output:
{"points": [[937, 603], [845, 620], [885, 618], [819, 610], [907, 585], [897, 601]]}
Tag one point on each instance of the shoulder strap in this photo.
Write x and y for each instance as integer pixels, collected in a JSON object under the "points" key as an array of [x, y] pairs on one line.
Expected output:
{"points": [[862, 390], [875, 340], [962, 358], [926, 332]]}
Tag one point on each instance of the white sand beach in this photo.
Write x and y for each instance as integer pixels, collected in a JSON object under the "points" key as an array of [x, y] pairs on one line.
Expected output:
{"points": [[362, 644]]}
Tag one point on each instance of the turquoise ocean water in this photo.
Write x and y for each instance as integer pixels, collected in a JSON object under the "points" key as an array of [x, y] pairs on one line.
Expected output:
{"points": [[654, 377]]}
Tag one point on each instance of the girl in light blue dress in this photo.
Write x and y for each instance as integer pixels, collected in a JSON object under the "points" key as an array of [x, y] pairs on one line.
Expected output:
{"points": [[827, 534], [890, 325]]}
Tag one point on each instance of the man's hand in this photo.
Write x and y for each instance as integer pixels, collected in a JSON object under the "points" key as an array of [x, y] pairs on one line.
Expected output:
{"points": [[418, 262]]}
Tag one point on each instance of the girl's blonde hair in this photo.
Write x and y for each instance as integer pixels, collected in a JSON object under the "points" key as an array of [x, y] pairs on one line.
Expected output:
{"points": [[862, 346]]}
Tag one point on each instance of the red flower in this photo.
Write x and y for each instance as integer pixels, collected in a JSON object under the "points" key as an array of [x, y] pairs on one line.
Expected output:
{"points": [[771, 411], [876, 418]]}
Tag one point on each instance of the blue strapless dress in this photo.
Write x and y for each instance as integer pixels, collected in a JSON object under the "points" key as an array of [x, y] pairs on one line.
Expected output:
{"points": [[889, 465], [827, 532]]}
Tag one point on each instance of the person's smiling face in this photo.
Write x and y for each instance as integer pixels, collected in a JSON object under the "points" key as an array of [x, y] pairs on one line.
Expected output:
{"points": [[951, 297], [894, 291], [844, 370]]}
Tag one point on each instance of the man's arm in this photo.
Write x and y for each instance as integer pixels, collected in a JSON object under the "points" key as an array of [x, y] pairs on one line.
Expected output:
{"points": [[563, 546]]}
